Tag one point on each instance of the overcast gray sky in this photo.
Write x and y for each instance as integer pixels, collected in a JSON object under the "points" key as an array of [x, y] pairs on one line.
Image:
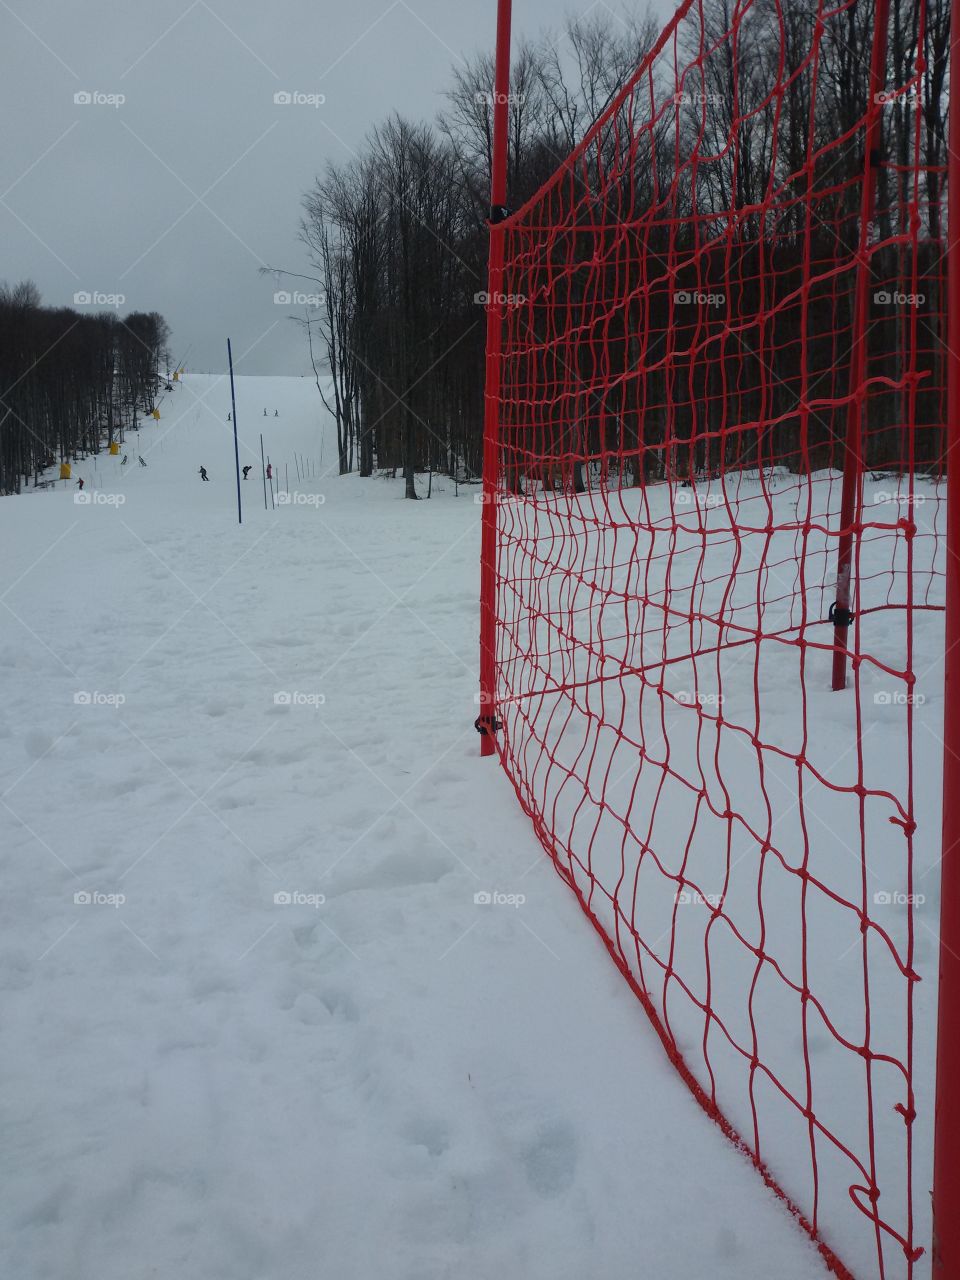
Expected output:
{"points": [[174, 197]]}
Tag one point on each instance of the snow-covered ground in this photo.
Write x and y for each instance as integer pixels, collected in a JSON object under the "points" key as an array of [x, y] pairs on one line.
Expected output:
{"points": [[256, 1024]]}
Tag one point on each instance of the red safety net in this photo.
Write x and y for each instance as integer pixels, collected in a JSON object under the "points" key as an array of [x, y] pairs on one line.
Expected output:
{"points": [[720, 414]]}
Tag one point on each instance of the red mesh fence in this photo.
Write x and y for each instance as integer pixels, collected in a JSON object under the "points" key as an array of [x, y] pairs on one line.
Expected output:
{"points": [[728, 296]]}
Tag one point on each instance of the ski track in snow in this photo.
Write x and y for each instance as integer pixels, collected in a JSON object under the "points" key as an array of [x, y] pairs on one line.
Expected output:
{"points": [[397, 1083]]}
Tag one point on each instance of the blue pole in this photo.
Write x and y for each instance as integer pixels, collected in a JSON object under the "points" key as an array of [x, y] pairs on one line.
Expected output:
{"points": [[236, 446]]}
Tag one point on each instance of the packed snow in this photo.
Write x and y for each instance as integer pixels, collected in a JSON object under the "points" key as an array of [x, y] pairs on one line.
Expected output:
{"points": [[290, 987]]}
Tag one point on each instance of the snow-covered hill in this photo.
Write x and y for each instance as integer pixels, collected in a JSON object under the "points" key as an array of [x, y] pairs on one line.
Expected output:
{"points": [[258, 1025]]}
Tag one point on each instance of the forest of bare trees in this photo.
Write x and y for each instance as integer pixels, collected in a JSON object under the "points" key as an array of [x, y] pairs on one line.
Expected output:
{"points": [[72, 383], [747, 166]]}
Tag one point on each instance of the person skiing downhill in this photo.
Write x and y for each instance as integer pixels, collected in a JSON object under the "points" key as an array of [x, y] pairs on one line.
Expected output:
{"points": [[269, 471], [141, 461], [246, 471], [80, 483], [203, 474]]}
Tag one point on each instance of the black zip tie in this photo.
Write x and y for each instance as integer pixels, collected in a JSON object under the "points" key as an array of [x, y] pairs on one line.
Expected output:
{"points": [[487, 724], [839, 616]]}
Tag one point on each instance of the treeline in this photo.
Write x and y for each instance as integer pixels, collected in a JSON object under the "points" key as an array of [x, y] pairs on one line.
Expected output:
{"points": [[70, 383], [739, 178]]}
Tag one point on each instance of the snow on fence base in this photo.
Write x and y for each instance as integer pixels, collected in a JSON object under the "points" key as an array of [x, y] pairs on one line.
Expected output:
{"points": [[713, 584]]}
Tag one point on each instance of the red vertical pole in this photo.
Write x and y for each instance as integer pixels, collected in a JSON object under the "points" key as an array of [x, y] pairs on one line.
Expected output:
{"points": [[487, 720], [852, 457], [946, 1128]]}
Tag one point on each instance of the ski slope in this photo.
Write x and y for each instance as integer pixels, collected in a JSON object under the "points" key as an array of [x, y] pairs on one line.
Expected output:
{"points": [[257, 1025]]}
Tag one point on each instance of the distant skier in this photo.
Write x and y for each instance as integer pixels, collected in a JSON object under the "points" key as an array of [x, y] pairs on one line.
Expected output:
{"points": [[269, 471], [246, 470], [264, 413], [140, 460], [203, 474], [123, 461], [80, 483], [229, 417], [276, 413]]}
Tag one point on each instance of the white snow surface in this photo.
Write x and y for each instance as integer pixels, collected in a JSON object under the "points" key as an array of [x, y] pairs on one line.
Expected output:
{"points": [[201, 1081]]}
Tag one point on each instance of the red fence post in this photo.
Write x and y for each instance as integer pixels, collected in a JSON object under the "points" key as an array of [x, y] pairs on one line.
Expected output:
{"points": [[487, 720], [852, 456], [946, 1127]]}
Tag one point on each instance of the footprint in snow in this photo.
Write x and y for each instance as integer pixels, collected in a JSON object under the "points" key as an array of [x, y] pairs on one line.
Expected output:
{"points": [[429, 1132], [550, 1160]]}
